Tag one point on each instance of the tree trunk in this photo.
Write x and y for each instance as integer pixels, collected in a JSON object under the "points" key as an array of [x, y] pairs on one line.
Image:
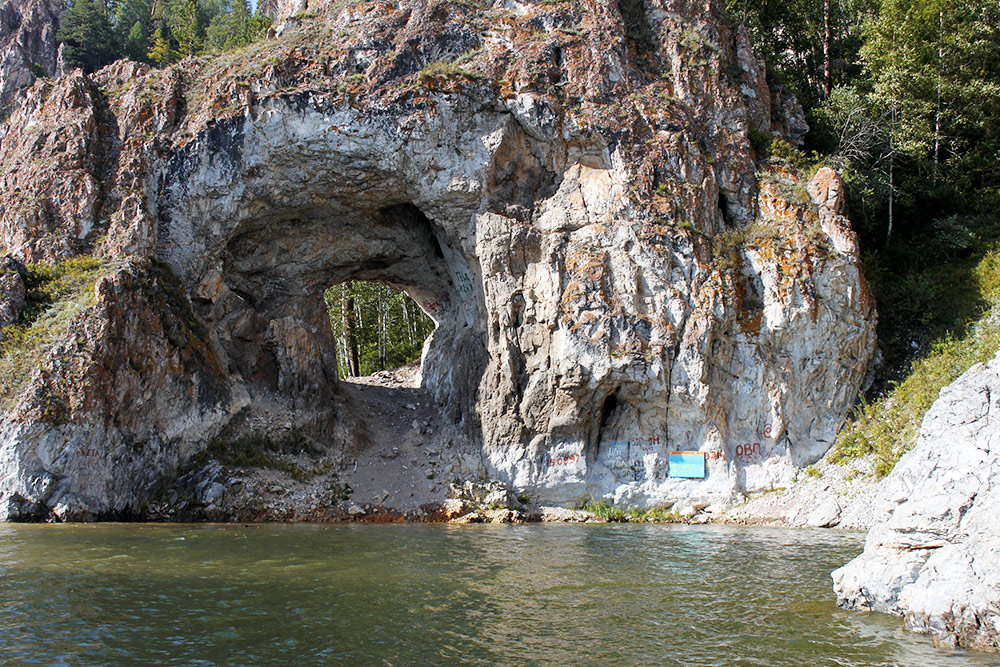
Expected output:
{"points": [[892, 160], [937, 110], [407, 320], [381, 309], [827, 38], [350, 338]]}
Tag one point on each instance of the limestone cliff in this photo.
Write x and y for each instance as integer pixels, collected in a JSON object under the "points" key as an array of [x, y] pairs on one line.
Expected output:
{"points": [[568, 189]]}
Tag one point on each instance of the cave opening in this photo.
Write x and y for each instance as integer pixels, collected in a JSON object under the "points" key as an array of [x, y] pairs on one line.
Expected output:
{"points": [[377, 328], [413, 301]]}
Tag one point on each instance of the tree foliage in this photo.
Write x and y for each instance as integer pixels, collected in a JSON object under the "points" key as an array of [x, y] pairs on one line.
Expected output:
{"points": [[934, 67], [809, 45], [914, 127], [158, 32], [88, 41], [376, 327]]}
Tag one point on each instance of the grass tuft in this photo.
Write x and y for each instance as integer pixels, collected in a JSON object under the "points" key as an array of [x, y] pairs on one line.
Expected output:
{"points": [[602, 510], [607, 512]]}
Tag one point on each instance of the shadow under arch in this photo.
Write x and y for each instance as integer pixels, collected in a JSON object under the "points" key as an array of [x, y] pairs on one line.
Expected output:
{"points": [[273, 326]]}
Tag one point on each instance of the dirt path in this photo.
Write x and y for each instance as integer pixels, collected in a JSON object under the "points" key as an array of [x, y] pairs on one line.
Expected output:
{"points": [[403, 465]]}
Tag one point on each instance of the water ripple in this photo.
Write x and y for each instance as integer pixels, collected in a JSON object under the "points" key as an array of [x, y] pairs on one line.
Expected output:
{"points": [[439, 595]]}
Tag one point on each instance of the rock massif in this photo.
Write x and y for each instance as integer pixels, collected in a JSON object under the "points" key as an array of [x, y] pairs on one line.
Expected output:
{"points": [[936, 559], [28, 47], [569, 189]]}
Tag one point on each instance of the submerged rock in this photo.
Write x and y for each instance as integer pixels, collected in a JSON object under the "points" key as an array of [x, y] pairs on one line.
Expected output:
{"points": [[574, 200], [936, 559]]}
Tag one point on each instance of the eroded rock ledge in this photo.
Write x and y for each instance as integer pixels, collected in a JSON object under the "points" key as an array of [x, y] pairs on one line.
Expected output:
{"points": [[576, 202]]}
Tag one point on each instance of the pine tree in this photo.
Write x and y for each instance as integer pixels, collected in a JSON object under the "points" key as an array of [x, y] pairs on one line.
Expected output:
{"points": [[187, 27], [87, 37], [239, 25], [133, 26], [161, 52], [217, 32]]}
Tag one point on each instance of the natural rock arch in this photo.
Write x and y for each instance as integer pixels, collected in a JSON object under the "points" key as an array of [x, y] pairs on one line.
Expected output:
{"points": [[611, 279], [262, 237]]}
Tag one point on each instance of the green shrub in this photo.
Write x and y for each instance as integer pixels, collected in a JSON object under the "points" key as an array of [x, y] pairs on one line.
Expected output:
{"points": [[652, 515], [726, 247], [888, 427], [602, 510], [772, 150]]}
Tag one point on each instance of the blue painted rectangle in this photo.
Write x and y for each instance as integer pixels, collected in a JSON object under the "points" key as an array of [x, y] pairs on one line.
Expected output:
{"points": [[686, 464]]}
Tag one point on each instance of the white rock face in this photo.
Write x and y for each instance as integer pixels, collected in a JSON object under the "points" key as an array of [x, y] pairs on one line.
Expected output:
{"points": [[936, 560]]}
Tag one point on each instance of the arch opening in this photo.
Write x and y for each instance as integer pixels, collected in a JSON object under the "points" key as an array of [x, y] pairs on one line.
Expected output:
{"points": [[415, 298], [377, 328], [276, 298]]}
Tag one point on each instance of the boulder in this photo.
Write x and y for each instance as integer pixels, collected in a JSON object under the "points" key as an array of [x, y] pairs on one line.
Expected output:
{"points": [[936, 560], [825, 515]]}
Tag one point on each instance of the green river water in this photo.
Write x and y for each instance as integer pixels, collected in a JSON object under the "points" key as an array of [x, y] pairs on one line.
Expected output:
{"points": [[295, 595]]}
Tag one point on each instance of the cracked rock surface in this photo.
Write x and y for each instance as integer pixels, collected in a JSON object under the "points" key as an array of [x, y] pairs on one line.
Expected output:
{"points": [[28, 46], [936, 559]]}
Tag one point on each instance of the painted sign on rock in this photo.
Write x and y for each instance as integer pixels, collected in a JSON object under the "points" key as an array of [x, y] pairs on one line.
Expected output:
{"points": [[690, 465], [632, 460]]}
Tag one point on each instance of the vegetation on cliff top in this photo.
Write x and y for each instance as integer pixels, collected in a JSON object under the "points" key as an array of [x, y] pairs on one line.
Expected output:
{"points": [[95, 34]]}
